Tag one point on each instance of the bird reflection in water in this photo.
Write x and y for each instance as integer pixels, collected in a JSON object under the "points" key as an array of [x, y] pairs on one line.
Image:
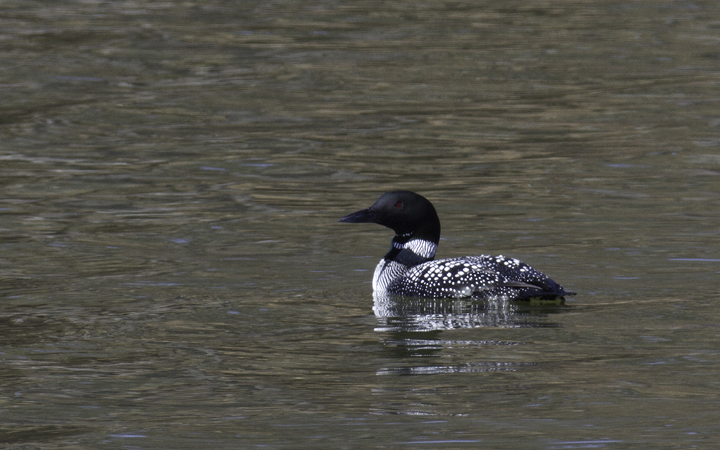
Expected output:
{"points": [[414, 326]]}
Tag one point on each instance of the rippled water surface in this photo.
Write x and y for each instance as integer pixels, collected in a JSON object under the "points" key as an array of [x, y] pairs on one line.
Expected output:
{"points": [[173, 275]]}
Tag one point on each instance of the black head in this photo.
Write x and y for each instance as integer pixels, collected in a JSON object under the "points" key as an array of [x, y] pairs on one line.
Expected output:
{"points": [[407, 213]]}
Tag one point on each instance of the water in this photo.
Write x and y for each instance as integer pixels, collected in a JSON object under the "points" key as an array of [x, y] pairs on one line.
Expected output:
{"points": [[173, 275]]}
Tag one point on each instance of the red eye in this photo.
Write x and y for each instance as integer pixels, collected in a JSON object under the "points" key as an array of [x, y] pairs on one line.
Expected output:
{"points": [[398, 204]]}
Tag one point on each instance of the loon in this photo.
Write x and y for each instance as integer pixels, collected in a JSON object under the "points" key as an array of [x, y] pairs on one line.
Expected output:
{"points": [[409, 268]]}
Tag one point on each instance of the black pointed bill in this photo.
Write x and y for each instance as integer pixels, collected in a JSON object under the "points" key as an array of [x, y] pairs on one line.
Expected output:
{"points": [[362, 216]]}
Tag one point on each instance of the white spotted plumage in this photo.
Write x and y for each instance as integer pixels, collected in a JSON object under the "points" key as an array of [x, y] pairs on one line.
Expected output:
{"points": [[470, 276]]}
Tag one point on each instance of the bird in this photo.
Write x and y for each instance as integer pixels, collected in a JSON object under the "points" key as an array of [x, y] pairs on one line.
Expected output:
{"points": [[409, 268]]}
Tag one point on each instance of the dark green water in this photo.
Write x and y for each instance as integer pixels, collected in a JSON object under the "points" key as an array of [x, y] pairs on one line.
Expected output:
{"points": [[172, 274]]}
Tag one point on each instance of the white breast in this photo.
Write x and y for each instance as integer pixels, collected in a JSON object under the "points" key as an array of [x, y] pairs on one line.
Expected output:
{"points": [[385, 272]]}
